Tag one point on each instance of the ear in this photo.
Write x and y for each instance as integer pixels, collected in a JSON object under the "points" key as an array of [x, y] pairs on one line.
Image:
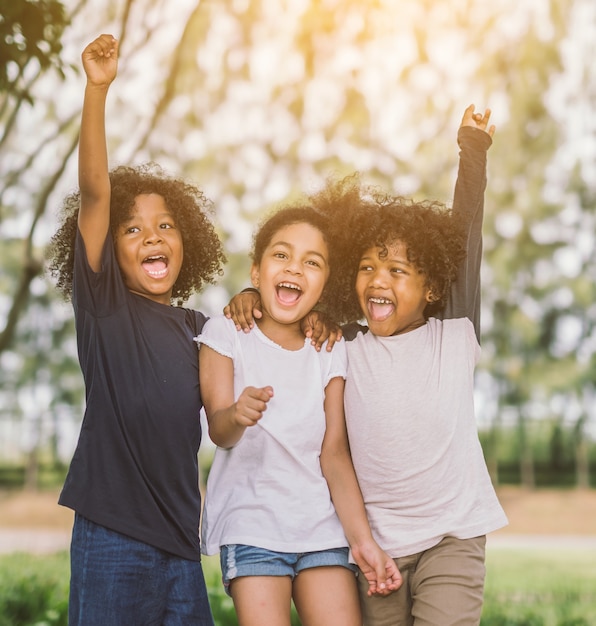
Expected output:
{"points": [[254, 276], [431, 297]]}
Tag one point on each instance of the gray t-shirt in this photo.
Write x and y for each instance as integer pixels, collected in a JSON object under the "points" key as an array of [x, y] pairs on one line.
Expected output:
{"points": [[409, 402]]}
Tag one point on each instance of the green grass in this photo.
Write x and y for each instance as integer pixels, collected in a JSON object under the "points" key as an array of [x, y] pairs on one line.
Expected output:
{"points": [[529, 587], [540, 587], [34, 590]]}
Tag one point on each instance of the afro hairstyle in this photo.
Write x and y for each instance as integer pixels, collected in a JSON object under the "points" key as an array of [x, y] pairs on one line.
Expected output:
{"points": [[203, 251]]}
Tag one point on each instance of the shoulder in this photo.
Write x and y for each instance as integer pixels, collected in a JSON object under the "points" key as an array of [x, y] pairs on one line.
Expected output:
{"points": [[81, 264], [218, 325], [351, 331], [219, 333], [337, 353], [460, 328], [100, 293], [334, 363], [195, 319]]}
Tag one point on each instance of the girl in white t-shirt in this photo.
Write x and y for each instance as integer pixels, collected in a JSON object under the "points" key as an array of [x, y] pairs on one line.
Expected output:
{"points": [[283, 503]]}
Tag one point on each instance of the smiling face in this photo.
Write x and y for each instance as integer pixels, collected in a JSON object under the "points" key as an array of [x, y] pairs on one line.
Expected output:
{"points": [[392, 292], [149, 249], [291, 274]]}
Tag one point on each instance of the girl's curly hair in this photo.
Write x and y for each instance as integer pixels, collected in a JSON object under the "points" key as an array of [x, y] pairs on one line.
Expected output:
{"points": [[300, 213], [366, 217], [326, 209], [203, 252]]}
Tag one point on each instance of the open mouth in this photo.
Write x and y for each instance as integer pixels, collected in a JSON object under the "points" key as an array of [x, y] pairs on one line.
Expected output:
{"points": [[380, 309], [288, 293], [155, 266]]}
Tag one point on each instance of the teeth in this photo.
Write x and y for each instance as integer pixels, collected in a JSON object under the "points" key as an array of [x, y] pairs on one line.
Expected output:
{"points": [[289, 286], [157, 257], [380, 300]]}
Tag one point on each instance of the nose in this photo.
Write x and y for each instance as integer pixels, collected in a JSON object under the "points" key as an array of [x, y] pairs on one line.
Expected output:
{"points": [[378, 278], [293, 266], [153, 236]]}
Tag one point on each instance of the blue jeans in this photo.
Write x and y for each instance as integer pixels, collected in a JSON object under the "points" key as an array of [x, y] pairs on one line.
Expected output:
{"points": [[118, 581]]}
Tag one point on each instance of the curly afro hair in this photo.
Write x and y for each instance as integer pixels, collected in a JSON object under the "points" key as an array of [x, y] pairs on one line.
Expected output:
{"points": [[300, 213], [362, 217], [203, 251]]}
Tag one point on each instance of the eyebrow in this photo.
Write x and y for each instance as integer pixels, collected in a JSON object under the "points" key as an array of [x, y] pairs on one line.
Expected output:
{"points": [[285, 244], [136, 216], [369, 258], [398, 262]]}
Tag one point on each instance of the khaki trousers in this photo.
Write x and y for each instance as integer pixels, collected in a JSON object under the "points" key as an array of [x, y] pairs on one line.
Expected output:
{"points": [[443, 586]]}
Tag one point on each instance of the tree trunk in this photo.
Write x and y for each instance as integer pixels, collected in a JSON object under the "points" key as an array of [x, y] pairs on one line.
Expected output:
{"points": [[582, 455], [528, 478]]}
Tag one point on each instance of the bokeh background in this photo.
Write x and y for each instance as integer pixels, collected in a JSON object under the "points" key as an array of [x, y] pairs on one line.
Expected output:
{"points": [[256, 100]]}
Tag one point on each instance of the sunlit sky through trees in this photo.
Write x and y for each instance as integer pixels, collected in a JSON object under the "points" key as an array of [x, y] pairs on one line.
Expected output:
{"points": [[257, 100]]}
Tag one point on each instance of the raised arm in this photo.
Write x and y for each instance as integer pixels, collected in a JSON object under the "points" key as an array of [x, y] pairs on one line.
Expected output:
{"points": [[474, 139], [336, 463], [100, 61]]}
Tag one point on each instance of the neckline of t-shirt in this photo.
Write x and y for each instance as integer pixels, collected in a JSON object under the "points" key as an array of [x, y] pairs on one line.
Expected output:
{"points": [[266, 340]]}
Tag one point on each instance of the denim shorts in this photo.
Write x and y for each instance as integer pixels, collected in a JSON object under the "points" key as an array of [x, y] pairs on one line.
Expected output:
{"points": [[239, 560]]}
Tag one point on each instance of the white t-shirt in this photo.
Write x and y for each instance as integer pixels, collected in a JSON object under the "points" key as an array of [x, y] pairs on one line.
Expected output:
{"points": [[413, 436], [269, 490]]}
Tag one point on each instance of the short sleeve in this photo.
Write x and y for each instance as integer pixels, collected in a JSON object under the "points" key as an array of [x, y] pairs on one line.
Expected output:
{"points": [[219, 333], [100, 293], [338, 361]]}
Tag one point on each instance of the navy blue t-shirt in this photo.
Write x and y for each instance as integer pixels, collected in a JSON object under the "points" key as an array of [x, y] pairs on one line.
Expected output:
{"points": [[135, 468]]}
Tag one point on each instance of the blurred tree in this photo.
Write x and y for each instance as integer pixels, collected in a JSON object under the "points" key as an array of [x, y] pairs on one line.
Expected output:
{"points": [[257, 100], [34, 365], [30, 46], [30, 34], [539, 293]]}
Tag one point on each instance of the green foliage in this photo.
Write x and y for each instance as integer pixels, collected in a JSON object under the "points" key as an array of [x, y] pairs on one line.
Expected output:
{"points": [[49, 475], [29, 30], [552, 448], [528, 587], [33, 590]]}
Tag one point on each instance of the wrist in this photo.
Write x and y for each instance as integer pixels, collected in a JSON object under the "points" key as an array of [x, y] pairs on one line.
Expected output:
{"points": [[360, 541], [472, 138]]}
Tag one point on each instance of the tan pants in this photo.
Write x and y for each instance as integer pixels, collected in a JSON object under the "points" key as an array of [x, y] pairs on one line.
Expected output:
{"points": [[443, 586]]}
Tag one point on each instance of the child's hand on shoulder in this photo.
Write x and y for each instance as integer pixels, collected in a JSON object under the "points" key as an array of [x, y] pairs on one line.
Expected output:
{"points": [[478, 120], [100, 60], [319, 328], [244, 308]]}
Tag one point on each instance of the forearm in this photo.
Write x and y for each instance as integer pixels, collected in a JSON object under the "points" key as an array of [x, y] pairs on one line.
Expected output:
{"points": [[468, 197], [224, 430], [468, 208], [346, 496]]}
